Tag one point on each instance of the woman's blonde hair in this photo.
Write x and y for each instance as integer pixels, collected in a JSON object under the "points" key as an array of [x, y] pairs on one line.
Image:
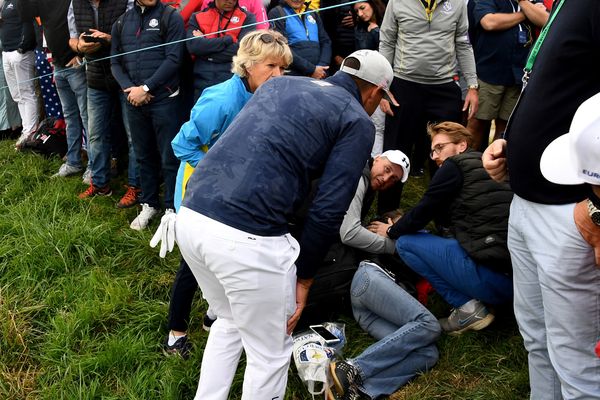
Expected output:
{"points": [[456, 132], [257, 46]]}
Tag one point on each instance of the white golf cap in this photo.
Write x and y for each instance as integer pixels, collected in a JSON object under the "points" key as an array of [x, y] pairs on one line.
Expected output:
{"points": [[399, 158], [574, 158], [374, 68]]}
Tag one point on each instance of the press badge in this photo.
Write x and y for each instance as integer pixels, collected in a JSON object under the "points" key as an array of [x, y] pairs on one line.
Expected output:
{"points": [[522, 37]]}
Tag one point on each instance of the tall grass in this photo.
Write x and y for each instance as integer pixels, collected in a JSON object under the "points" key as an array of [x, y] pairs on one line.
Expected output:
{"points": [[84, 300]]}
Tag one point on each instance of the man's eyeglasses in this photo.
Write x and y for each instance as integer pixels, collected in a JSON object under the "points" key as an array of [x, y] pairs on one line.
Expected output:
{"points": [[268, 38], [437, 149]]}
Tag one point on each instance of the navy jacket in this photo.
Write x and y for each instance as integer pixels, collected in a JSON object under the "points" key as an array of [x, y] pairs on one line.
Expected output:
{"points": [[16, 32], [292, 131], [157, 68]]}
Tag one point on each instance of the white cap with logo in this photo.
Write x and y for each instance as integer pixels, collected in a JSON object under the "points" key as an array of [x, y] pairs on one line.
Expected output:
{"points": [[574, 158], [399, 158], [374, 68]]}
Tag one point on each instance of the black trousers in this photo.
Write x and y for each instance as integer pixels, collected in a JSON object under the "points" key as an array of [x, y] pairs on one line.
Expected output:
{"points": [[406, 131], [182, 295]]}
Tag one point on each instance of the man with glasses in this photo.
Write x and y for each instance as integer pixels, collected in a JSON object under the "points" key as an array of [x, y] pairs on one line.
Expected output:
{"points": [[470, 266]]}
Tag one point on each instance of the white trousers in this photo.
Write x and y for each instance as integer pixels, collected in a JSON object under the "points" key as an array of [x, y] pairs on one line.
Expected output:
{"points": [[557, 300], [19, 70], [249, 282]]}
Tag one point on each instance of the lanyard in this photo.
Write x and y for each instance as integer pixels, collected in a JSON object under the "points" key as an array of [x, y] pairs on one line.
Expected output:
{"points": [[429, 6], [536, 47]]}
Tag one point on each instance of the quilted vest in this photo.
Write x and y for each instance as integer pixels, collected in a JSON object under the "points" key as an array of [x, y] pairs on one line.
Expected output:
{"points": [[213, 21]]}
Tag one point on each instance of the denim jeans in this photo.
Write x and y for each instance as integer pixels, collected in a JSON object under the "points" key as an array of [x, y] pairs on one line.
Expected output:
{"points": [[153, 127], [406, 332], [557, 300], [100, 109], [71, 85], [133, 169], [451, 272]]}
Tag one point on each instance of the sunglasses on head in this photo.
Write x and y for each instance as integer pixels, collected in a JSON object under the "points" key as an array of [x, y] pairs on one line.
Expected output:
{"points": [[268, 38]]}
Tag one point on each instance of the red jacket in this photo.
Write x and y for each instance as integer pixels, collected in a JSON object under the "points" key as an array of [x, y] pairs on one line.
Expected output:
{"points": [[253, 6]]}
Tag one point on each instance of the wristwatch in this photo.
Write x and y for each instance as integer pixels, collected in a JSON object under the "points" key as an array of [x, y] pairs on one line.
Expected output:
{"points": [[594, 212], [145, 88], [475, 86]]}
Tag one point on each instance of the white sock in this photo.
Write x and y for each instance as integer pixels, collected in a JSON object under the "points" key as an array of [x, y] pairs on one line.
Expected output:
{"points": [[173, 338], [470, 306]]}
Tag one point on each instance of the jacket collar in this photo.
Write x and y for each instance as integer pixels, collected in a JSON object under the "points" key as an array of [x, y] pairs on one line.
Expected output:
{"points": [[344, 80]]}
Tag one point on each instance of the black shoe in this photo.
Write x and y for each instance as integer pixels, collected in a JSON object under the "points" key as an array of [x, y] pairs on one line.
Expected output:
{"points": [[182, 346], [207, 323], [345, 376]]}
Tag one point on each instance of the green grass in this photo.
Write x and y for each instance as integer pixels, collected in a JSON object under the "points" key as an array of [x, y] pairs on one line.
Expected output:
{"points": [[84, 299]]}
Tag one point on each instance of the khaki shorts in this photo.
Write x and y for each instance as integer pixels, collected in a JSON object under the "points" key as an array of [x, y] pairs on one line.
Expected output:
{"points": [[496, 101]]}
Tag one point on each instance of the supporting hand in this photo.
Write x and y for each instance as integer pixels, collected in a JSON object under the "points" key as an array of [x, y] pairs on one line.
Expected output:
{"points": [[302, 289]]}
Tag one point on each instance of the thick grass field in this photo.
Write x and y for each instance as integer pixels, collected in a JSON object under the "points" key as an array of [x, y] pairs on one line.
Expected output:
{"points": [[84, 299]]}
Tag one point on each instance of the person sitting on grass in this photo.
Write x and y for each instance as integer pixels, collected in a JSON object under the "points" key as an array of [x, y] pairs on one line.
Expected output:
{"points": [[262, 55], [406, 331], [473, 266]]}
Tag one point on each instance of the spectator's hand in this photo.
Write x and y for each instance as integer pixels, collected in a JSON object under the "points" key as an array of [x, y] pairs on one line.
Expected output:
{"points": [[348, 21], [540, 5], [338, 60], [137, 96], [75, 62], [197, 33], [302, 288], [380, 228], [386, 107], [494, 160], [87, 47], [471, 102], [101, 35], [165, 234], [589, 230], [320, 72]]}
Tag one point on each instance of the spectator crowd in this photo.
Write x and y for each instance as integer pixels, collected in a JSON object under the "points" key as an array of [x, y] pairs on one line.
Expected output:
{"points": [[260, 133]]}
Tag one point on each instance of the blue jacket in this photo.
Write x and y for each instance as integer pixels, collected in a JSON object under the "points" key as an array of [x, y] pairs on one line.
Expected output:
{"points": [[211, 115], [292, 131], [306, 37], [158, 67]]}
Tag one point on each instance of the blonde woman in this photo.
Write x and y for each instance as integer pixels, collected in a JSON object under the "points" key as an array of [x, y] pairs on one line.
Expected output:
{"points": [[262, 55]]}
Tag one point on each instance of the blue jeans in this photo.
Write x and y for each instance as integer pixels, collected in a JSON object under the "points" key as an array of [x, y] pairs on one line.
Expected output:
{"points": [[133, 170], [71, 85], [406, 332], [153, 127], [100, 108], [450, 270], [557, 300]]}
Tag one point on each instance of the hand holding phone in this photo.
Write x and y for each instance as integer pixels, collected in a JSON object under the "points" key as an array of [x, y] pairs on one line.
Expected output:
{"points": [[325, 334]]}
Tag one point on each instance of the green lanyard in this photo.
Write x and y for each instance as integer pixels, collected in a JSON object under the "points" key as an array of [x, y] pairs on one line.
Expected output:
{"points": [[536, 47]]}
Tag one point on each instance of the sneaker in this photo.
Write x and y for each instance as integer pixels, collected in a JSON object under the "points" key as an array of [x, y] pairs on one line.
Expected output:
{"points": [[66, 170], [143, 219], [181, 347], [21, 141], [130, 198], [461, 321], [92, 191], [345, 376], [207, 323], [353, 394], [87, 176]]}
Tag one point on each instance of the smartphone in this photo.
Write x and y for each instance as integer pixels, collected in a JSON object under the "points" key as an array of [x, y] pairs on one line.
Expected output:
{"points": [[91, 39], [327, 336]]}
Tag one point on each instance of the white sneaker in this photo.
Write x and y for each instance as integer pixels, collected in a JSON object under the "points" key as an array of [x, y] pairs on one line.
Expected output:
{"points": [[87, 177], [66, 170], [143, 218], [21, 140]]}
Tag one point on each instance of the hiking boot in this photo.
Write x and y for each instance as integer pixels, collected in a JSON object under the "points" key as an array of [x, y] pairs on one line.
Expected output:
{"points": [[461, 321], [130, 198], [144, 217], [66, 170], [207, 323], [345, 376], [92, 191], [87, 176], [182, 347]]}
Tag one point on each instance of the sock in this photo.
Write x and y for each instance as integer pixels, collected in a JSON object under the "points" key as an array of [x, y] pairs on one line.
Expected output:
{"points": [[173, 338]]}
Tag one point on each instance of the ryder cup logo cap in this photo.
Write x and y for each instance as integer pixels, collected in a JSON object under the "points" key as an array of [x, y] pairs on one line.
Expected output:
{"points": [[574, 158]]}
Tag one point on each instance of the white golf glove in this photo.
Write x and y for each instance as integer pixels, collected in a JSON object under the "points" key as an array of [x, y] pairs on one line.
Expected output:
{"points": [[165, 234]]}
